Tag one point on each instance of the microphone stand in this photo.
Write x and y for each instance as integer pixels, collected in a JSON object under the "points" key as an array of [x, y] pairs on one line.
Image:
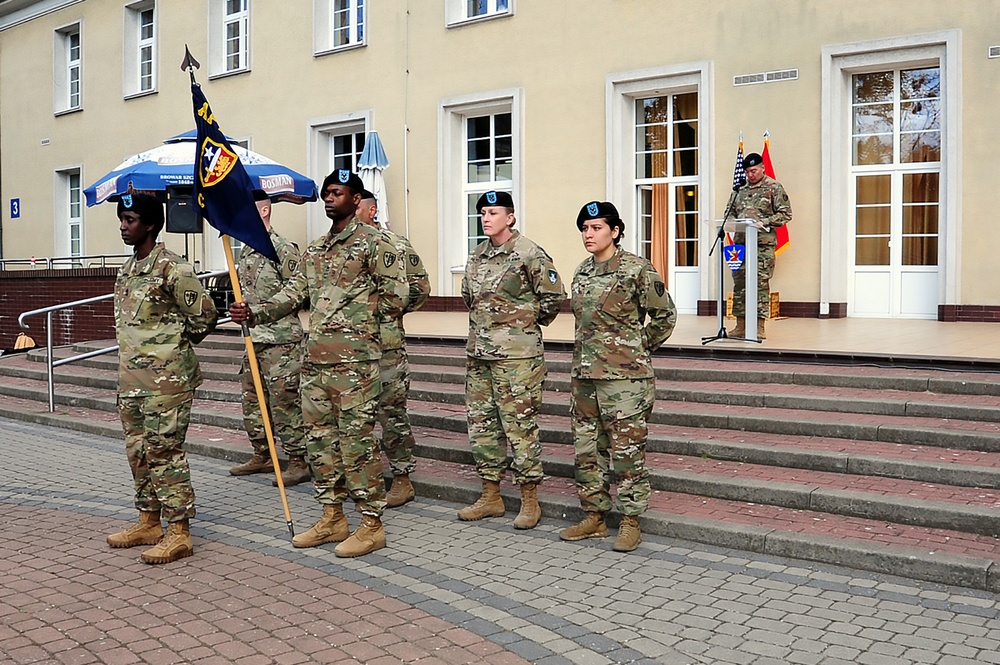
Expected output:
{"points": [[721, 304]]}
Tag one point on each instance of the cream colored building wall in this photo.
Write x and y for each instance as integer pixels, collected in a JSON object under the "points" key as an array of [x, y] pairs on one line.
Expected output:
{"points": [[555, 63]]}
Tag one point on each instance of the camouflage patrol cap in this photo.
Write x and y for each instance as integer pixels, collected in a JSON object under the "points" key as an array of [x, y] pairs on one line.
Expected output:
{"points": [[344, 177], [147, 206], [491, 198], [753, 159]]}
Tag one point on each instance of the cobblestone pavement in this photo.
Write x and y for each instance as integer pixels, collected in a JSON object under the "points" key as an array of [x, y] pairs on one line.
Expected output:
{"points": [[443, 591]]}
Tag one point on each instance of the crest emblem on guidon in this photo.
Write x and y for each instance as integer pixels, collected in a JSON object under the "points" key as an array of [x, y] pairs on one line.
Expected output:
{"points": [[592, 208], [491, 197], [344, 175]]}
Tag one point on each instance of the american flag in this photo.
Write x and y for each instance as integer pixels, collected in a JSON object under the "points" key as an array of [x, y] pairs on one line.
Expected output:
{"points": [[739, 173]]}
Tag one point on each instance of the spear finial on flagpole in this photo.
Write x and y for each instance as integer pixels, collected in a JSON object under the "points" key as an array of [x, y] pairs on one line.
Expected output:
{"points": [[189, 63], [767, 134]]}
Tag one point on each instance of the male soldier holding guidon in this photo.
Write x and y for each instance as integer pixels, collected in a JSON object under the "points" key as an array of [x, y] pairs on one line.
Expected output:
{"points": [[278, 347], [511, 288], [353, 279], [764, 200], [623, 313], [394, 366], [161, 310]]}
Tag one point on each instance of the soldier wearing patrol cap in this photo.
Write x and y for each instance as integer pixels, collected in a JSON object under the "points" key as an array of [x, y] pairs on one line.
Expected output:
{"points": [[762, 199], [353, 280], [511, 288], [623, 313], [161, 311], [278, 348], [394, 366]]}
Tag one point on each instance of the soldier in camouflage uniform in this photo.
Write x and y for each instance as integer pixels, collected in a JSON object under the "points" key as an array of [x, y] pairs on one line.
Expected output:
{"points": [[511, 288], [394, 366], [763, 199], [353, 280], [161, 310], [623, 313], [278, 348]]}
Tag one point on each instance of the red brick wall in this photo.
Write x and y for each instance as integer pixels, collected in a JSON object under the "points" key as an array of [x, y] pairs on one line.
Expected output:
{"points": [[24, 290]]}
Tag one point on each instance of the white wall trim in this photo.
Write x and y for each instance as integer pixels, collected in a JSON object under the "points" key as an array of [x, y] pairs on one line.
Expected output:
{"points": [[317, 153]]}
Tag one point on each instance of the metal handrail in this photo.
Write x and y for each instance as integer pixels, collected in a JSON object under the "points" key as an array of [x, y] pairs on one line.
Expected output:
{"points": [[49, 311], [47, 263]]}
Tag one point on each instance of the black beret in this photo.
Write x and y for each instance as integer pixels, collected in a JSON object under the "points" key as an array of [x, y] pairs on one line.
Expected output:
{"points": [[501, 199], [365, 194], [345, 177], [260, 195], [753, 159], [147, 206], [600, 210]]}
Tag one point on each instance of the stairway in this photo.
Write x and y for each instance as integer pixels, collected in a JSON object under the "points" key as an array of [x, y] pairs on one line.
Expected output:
{"points": [[882, 468]]}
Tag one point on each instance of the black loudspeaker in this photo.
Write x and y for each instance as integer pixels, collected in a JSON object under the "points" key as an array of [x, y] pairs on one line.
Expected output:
{"points": [[182, 216]]}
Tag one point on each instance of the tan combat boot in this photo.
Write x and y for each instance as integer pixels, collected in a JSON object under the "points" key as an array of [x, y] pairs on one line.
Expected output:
{"points": [[175, 544], [401, 492], [331, 528], [259, 463], [147, 531], [741, 328], [370, 536], [591, 526], [530, 512], [760, 329], [629, 535], [296, 473], [490, 504]]}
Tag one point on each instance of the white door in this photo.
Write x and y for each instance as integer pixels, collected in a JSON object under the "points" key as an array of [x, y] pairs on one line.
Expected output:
{"points": [[667, 184], [895, 193]]}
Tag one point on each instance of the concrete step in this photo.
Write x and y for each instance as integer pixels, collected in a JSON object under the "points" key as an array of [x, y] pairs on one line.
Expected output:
{"points": [[896, 500]]}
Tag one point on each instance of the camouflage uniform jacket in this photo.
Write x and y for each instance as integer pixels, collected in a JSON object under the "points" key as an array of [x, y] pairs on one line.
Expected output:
{"points": [[611, 301], [510, 291], [352, 280], [161, 310], [420, 289], [261, 278], [765, 201]]}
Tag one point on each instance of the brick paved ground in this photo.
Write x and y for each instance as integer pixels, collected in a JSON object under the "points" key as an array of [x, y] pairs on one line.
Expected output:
{"points": [[441, 592]]}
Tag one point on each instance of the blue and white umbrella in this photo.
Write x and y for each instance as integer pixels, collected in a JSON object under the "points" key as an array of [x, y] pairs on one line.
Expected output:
{"points": [[370, 165], [172, 164]]}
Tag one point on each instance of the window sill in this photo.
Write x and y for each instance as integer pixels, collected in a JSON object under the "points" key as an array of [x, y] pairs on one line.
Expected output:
{"points": [[75, 109], [338, 49], [478, 19], [222, 75], [136, 95]]}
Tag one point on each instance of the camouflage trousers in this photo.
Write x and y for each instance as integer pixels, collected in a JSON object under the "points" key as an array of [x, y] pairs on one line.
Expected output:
{"points": [[339, 405], [155, 427], [502, 401], [397, 435], [765, 269], [609, 430], [280, 366]]}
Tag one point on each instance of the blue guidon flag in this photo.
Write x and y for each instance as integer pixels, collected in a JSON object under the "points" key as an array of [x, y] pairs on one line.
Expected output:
{"points": [[223, 191]]}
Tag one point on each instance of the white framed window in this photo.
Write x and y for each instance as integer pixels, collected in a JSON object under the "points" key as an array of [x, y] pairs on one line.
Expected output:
{"points": [[489, 165], [657, 166], [335, 142], [228, 37], [891, 182], [140, 40], [68, 216], [481, 144], [68, 75], [458, 12], [338, 25]]}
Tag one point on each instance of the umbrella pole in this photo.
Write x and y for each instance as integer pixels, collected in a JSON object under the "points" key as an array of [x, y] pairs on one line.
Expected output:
{"points": [[258, 385]]}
